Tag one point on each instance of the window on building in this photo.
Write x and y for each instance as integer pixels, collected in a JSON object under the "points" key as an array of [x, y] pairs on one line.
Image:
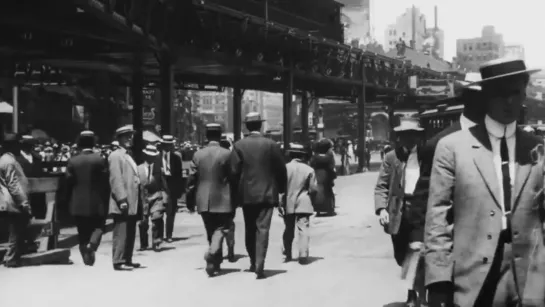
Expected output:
{"points": [[470, 47]]}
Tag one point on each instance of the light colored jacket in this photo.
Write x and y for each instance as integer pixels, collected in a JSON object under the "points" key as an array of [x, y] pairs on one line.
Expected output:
{"points": [[124, 182], [13, 185], [300, 188], [464, 217]]}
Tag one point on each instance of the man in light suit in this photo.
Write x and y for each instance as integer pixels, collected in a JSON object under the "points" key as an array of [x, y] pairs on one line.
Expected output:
{"points": [[211, 178], [152, 183], [296, 207], [259, 172], [394, 192], [484, 223], [125, 200]]}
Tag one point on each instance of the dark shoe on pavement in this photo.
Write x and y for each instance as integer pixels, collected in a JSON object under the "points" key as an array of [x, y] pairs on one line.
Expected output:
{"points": [[14, 264], [91, 257], [252, 268], [121, 267], [210, 265], [231, 256], [134, 265], [169, 240], [260, 275], [412, 299], [142, 248], [303, 260]]}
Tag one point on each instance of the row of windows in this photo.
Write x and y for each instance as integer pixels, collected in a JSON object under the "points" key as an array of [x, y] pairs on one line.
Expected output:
{"points": [[480, 57], [481, 46], [393, 32]]}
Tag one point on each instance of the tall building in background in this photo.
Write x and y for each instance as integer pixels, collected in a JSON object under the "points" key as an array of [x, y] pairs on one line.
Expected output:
{"points": [[412, 25], [514, 51], [403, 29], [472, 52], [356, 15]]}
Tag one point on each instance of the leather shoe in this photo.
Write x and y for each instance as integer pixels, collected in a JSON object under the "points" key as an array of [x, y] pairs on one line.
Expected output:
{"points": [[133, 265], [121, 267], [252, 268], [411, 299], [260, 275]]}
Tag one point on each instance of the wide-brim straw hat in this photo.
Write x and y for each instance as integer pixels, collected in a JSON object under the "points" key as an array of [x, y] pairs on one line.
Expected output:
{"points": [[151, 150], [168, 139], [406, 125], [124, 130], [502, 68]]}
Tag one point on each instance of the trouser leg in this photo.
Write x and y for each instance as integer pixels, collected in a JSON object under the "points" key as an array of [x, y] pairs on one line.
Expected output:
{"points": [[171, 210], [287, 237], [143, 227], [18, 229], [97, 231], [131, 238], [263, 224], [250, 216], [157, 228], [303, 234], [119, 240]]}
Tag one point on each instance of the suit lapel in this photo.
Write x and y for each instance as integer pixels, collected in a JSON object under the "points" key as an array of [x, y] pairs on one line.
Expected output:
{"points": [[131, 163], [484, 160], [523, 164]]}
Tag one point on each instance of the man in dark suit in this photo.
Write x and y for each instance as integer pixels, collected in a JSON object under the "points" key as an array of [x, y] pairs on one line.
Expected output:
{"points": [[230, 237], [259, 171], [171, 166], [394, 191], [87, 185], [32, 167], [211, 178], [125, 200]]}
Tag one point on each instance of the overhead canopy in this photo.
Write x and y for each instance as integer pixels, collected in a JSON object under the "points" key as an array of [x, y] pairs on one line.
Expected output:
{"points": [[6, 108]]}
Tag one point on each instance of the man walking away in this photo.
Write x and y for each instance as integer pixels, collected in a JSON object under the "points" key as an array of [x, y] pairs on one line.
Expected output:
{"points": [[211, 178], [125, 200], [87, 185], [152, 183], [296, 205], [259, 171]]}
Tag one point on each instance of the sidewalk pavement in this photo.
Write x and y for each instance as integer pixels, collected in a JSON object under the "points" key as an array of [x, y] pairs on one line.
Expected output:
{"points": [[352, 267]]}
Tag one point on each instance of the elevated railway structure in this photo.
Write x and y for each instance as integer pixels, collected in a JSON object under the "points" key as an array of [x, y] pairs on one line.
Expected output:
{"points": [[289, 47]]}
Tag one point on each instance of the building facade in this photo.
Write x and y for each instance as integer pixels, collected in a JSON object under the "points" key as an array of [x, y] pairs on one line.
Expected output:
{"points": [[472, 52], [514, 51], [356, 15], [402, 29]]}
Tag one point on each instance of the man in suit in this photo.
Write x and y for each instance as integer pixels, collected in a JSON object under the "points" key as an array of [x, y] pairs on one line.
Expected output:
{"points": [[14, 201], [171, 166], [474, 112], [211, 178], [87, 185], [296, 207], [394, 191], [230, 237], [152, 183], [483, 234], [125, 200], [259, 171]]}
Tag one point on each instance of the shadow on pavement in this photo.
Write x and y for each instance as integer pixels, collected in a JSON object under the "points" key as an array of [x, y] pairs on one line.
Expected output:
{"points": [[272, 273], [237, 257], [395, 304], [226, 271], [178, 239], [72, 240], [311, 260], [164, 249]]}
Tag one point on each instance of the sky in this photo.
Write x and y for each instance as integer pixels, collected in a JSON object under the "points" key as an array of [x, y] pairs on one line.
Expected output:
{"points": [[520, 21]]}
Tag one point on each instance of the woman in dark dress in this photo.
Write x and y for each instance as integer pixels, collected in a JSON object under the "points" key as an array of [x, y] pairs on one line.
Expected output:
{"points": [[323, 162]]}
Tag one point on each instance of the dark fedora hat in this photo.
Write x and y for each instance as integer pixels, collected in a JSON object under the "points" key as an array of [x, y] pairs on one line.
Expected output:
{"points": [[502, 68]]}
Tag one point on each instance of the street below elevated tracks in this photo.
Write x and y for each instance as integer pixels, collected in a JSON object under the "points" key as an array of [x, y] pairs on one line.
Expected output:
{"points": [[352, 265]]}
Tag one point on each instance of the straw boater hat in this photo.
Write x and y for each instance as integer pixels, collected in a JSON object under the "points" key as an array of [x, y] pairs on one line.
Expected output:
{"points": [[502, 68], [253, 117], [124, 130], [167, 139], [408, 124], [151, 150], [115, 143], [87, 133], [213, 127], [27, 139]]}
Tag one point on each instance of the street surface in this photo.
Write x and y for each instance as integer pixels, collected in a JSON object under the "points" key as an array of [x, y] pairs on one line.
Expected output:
{"points": [[353, 266]]}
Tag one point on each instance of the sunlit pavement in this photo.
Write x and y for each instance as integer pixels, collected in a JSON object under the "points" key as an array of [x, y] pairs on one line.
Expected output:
{"points": [[353, 266]]}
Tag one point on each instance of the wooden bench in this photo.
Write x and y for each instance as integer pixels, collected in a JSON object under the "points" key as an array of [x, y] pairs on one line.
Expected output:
{"points": [[44, 232]]}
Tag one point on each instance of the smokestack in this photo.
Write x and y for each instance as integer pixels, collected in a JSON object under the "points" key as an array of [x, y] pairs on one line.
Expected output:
{"points": [[436, 27]]}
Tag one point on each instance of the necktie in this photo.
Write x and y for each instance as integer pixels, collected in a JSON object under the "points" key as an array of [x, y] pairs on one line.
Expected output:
{"points": [[504, 152], [149, 172]]}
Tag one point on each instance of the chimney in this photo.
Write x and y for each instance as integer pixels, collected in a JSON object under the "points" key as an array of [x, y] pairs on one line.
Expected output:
{"points": [[435, 11]]}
